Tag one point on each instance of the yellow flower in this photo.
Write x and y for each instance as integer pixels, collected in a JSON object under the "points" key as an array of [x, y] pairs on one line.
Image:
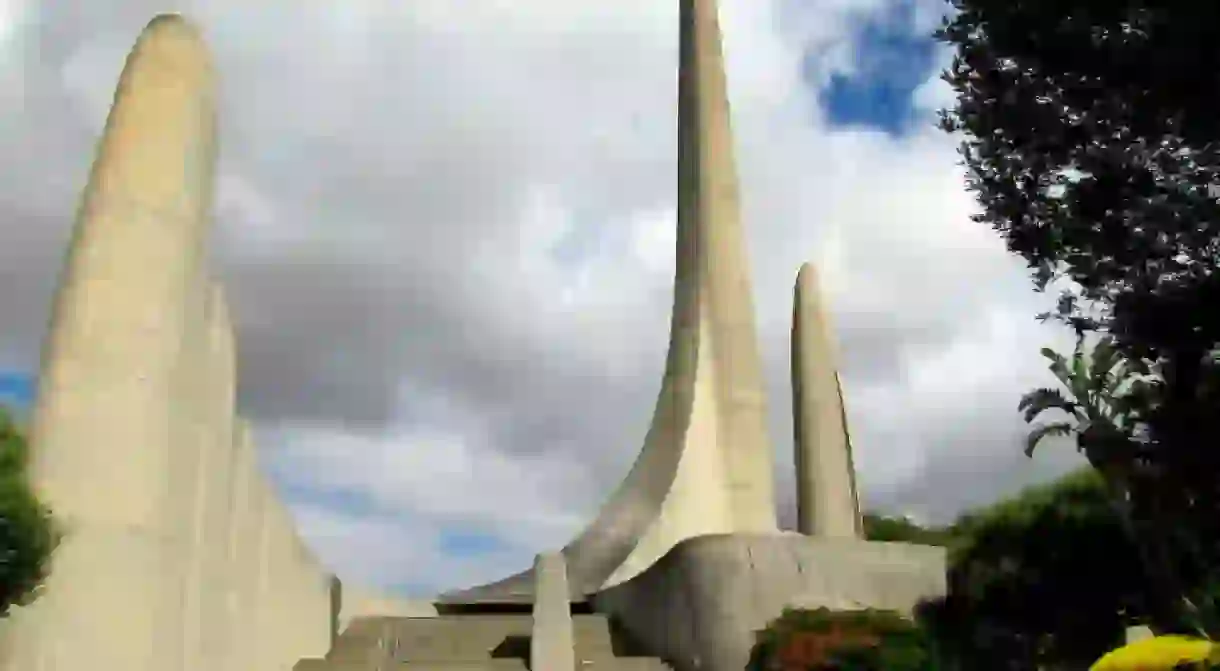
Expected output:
{"points": [[1159, 653]]}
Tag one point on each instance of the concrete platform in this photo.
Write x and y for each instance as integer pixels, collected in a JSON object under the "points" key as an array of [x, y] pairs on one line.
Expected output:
{"points": [[700, 605]]}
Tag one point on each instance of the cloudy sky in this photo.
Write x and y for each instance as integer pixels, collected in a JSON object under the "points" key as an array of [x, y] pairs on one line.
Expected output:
{"points": [[446, 227]]}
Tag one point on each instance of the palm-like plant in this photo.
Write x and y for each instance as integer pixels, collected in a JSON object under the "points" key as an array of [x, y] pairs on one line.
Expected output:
{"points": [[1110, 398]]}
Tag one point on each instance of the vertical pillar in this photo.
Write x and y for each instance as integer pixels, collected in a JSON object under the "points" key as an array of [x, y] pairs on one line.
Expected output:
{"points": [[707, 464], [709, 200], [106, 416], [827, 501], [552, 639]]}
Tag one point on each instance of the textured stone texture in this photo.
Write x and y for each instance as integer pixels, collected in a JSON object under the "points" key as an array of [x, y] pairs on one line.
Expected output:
{"points": [[170, 531], [706, 465], [109, 402], [699, 606], [294, 600], [828, 504]]}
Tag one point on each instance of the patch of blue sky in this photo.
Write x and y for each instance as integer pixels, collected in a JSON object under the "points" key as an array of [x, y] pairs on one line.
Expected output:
{"points": [[894, 55], [16, 389], [456, 542], [350, 502]]}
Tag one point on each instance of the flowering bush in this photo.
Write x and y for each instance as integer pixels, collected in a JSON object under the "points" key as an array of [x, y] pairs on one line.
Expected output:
{"points": [[1161, 653], [825, 640]]}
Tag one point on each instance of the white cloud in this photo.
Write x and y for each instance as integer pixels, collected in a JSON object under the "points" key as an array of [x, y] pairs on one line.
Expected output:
{"points": [[13, 13], [439, 475], [447, 231]]}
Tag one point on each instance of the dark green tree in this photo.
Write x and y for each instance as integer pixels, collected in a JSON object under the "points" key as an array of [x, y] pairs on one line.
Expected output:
{"points": [[1090, 134], [1105, 396], [27, 535], [902, 530], [1091, 144], [1049, 577], [1101, 409]]}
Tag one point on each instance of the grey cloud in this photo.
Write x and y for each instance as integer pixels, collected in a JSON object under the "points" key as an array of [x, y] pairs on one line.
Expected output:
{"points": [[406, 198]]}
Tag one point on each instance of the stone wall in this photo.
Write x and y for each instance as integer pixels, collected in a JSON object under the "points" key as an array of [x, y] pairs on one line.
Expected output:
{"points": [[176, 553]]}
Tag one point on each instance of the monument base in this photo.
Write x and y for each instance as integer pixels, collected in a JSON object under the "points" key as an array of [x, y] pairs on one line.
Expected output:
{"points": [[700, 606]]}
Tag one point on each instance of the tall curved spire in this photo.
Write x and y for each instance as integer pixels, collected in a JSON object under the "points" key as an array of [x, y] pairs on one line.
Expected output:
{"points": [[108, 392], [827, 501], [706, 464]]}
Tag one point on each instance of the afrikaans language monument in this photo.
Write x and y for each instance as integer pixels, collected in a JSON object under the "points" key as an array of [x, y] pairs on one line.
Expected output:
{"points": [[177, 555]]}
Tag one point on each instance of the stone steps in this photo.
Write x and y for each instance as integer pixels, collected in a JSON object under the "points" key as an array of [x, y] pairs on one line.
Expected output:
{"points": [[466, 642]]}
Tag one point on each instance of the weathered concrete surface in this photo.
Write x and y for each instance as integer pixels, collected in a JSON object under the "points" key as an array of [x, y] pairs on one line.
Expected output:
{"points": [[107, 408], [205, 481], [171, 534], [314, 617], [248, 575], [701, 604], [827, 502], [294, 605], [191, 447], [552, 641], [705, 467]]}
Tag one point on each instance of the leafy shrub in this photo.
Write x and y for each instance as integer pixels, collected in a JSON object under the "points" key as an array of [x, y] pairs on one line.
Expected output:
{"points": [[902, 530], [826, 640], [27, 535]]}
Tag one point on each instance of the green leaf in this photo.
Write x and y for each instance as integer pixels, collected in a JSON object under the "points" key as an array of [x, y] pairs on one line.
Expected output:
{"points": [[1044, 431]]}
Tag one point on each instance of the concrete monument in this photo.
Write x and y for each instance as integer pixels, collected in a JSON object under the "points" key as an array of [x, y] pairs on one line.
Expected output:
{"points": [[706, 464], [178, 556], [132, 444], [827, 502], [686, 554]]}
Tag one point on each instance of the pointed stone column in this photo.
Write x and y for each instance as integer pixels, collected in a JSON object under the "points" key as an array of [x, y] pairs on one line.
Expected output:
{"points": [[723, 481], [706, 464], [106, 416], [709, 202], [826, 497]]}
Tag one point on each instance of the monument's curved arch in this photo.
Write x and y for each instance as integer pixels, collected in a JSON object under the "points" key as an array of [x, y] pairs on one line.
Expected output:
{"points": [[705, 467], [178, 555]]}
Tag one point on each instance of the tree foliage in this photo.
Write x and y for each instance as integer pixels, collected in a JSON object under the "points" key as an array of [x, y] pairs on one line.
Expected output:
{"points": [[902, 530], [1092, 144], [1090, 128], [27, 535], [1105, 396], [1047, 577], [1105, 405]]}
